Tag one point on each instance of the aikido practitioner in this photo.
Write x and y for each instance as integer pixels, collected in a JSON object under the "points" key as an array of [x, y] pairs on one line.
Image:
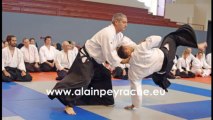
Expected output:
{"points": [[183, 65], [88, 71], [47, 55], [147, 60], [63, 61], [13, 67], [31, 56], [199, 65]]}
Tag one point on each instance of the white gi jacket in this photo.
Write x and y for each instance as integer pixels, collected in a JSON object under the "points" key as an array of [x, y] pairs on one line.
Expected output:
{"points": [[144, 61], [30, 54], [200, 64], [15, 61], [183, 63], [64, 60], [46, 54], [102, 46]]}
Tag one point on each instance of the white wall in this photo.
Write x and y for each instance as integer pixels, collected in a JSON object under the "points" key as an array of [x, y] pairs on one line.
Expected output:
{"points": [[179, 12], [184, 1], [203, 12], [197, 12]]}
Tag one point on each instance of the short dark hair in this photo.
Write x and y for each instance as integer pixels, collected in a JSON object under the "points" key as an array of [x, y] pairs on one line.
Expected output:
{"points": [[31, 39], [46, 38], [121, 53], [9, 37]]}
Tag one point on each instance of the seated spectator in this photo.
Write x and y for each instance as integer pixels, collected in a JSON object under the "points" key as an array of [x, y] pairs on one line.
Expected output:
{"points": [[200, 67], [5, 44], [32, 42], [183, 65], [172, 74], [47, 55], [31, 56], [13, 67], [73, 47], [64, 60]]}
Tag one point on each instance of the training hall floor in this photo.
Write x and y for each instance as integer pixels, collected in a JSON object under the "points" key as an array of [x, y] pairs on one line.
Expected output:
{"points": [[187, 99]]}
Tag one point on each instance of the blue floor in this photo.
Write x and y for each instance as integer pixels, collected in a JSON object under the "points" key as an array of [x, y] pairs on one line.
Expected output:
{"points": [[187, 110], [173, 86], [21, 101], [32, 105]]}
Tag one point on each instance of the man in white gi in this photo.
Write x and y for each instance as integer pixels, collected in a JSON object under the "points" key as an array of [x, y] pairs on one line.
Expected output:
{"points": [[31, 56], [64, 60], [47, 55], [147, 60], [73, 48], [13, 67], [87, 71], [32, 42]]}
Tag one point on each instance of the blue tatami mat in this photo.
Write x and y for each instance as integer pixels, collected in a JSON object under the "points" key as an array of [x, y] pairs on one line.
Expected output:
{"points": [[48, 110], [31, 105], [173, 86], [7, 113], [13, 91], [187, 110]]}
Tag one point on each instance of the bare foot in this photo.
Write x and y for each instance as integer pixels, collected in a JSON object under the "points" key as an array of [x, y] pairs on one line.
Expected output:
{"points": [[69, 110], [130, 107]]}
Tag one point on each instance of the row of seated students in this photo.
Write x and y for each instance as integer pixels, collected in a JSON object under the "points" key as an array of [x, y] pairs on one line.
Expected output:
{"points": [[17, 63], [187, 66], [48, 58], [190, 66]]}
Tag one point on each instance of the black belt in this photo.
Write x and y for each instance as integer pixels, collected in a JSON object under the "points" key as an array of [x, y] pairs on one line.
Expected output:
{"points": [[90, 58]]}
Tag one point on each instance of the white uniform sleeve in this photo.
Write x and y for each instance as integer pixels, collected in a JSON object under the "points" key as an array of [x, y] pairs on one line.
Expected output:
{"points": [[3, 59], [76, 51], [205, 65], [36, 54], [151, 42], [71, 57], [42, 57], [58, 62], [109, 52], [208, 59], [21, 65], [196, 64]]}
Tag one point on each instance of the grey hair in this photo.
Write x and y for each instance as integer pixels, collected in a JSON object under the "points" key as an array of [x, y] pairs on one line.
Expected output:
{"points": [[118, 17], [64, 42]]}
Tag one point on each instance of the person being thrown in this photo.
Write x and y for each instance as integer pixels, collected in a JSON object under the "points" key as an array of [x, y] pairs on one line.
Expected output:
{"points": [[146, 59]]}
